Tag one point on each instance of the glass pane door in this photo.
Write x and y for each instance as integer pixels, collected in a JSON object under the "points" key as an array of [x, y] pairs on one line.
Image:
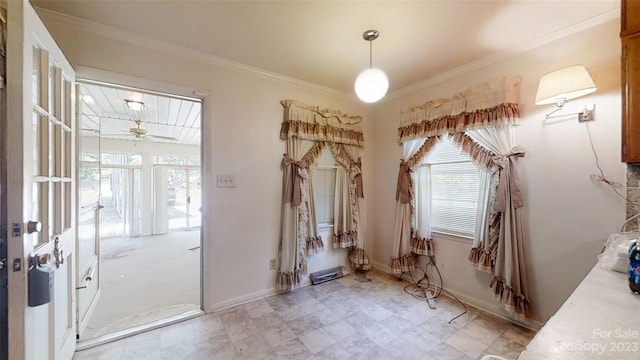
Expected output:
{"points": [[195, 198], [177, 198], [184, 198]]}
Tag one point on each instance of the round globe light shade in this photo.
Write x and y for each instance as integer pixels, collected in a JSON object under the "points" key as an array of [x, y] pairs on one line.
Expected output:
{"points": [[371, 85]]}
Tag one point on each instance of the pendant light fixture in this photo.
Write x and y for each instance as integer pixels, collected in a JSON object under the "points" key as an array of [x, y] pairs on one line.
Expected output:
{"points": [[372, 84]]}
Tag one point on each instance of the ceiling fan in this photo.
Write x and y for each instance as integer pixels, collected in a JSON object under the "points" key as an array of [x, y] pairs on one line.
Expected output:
{"points": [[141, 133]]}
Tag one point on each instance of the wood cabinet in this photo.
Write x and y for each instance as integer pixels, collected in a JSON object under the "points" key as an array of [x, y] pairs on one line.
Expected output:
{"points": [[630, 36]]}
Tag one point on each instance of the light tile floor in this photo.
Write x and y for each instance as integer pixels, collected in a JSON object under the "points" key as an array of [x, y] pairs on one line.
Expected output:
{"points": [[340, 319]]}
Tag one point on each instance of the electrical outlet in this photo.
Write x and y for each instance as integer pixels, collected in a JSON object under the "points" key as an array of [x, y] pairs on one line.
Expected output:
{"points": [[273, 263], [225, 181]]}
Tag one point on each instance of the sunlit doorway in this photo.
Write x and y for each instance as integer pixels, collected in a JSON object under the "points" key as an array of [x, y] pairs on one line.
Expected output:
{"points": [[140, 188]]}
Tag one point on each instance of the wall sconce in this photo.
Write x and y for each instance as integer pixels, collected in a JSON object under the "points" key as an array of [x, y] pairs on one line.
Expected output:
{"points": [[135, 105], [563, 85]]}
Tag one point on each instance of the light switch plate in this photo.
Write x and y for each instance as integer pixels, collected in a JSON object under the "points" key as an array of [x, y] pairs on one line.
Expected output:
{"points": [[226, 181]]}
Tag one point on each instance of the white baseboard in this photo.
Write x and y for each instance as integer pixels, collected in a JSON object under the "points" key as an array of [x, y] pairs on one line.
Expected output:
{"points": [[490, 308], [477, 303], [380, 266], [239, 300]]}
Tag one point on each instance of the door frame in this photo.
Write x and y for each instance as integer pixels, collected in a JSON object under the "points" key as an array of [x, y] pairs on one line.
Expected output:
{"points": [[101, 77], [4, 290]]}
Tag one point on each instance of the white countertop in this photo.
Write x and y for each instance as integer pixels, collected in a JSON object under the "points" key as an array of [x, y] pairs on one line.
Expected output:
{"points": [[600, 320]]}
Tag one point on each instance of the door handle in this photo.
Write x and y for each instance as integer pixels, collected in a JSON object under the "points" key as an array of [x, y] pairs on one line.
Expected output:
{"points": [[34, 227]]}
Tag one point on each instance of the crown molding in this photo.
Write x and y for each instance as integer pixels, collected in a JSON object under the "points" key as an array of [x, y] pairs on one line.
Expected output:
{"points": [[77, 24], [488, 60]]}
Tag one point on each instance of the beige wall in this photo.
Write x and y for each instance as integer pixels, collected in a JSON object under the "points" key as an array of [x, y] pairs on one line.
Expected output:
{"points": [[242, 116], [567, 216]]}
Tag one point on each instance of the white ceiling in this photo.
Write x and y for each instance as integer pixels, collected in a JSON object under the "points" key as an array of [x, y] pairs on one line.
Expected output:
{"points": [[105, 112], [321, 41]]}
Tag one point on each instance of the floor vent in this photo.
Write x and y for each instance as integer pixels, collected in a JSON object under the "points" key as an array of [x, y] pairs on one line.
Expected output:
{"points": [[321, 276]]}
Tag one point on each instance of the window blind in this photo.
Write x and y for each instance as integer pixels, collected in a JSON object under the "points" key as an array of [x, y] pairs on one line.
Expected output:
{"points": [[454, 189], [324, 186]]}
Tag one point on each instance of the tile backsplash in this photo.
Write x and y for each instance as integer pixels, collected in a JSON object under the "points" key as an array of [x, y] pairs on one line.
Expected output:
{"points": [[633, 194]]}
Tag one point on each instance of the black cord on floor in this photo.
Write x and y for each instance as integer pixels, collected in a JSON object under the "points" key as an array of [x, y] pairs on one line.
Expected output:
{"points": [[419, 288]]}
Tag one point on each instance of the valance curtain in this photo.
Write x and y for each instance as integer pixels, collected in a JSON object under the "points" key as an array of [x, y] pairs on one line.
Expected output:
{"points": [[480, 106], [307, 129], [480, 121]]}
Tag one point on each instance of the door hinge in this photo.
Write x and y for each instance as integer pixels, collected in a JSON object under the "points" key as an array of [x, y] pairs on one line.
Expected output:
{"points": [[2, 262]]}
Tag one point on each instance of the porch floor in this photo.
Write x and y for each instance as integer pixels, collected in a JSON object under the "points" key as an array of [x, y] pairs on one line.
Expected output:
{"points": [[144, 279]]}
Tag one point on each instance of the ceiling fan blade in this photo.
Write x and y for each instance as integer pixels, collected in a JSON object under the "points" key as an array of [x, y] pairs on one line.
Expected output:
{"points": [[125, 134], [162, 137]]}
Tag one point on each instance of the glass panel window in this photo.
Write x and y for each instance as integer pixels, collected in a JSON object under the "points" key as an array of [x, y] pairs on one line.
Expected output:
{"points": [[51, 209], [57, 208], [35, 76], [67, 205], [35, 210], [121, 159], [195, 198], [57, 151], [176, 160], [454, 197], [324, 186], [89, 157], [454, 189], [52, 90], [36, 144], [89, 192]]}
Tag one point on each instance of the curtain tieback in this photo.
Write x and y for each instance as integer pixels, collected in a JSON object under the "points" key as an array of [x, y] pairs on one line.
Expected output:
{"points": [[293, 192], [508, 175], [403, 190]]}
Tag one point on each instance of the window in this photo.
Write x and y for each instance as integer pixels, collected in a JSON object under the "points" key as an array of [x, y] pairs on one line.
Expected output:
{"points": [[454, 189], [121, 159], [176, 160], [324, 187]]}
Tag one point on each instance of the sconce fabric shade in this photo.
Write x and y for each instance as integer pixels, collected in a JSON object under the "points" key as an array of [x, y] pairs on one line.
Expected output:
{"points": [[371, 85], [564, 84]]}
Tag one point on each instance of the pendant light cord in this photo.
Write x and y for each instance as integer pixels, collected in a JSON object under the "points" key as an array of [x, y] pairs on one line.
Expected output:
{"points": [[370, 54]]}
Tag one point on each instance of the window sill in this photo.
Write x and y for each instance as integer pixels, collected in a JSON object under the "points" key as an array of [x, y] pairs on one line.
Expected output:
{"points": [[451, 237]]}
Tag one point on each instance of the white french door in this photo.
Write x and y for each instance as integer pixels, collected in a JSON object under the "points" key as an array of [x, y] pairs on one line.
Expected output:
{"points": [[40, 189]]}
